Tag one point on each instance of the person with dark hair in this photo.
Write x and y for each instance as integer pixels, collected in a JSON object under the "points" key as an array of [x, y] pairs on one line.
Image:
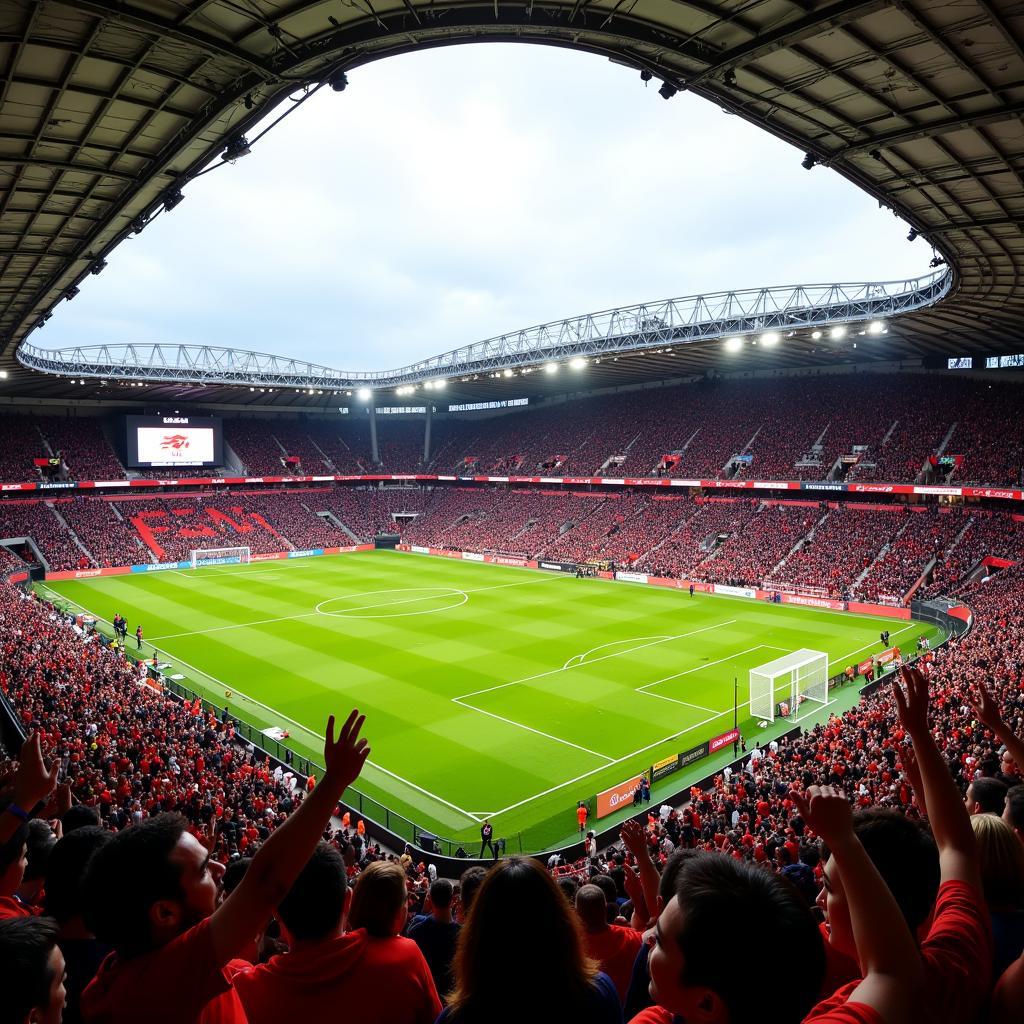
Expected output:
{"points": [[13, 861], [521, 957], [79, 816], [436, 933], [31, 971], [469, 884], [638, 996], [690, 977], [986, 796], [487, 839], [1013, 813], [614, 947], [151, 894], [83, 952], [330, 970], [38, 845]]}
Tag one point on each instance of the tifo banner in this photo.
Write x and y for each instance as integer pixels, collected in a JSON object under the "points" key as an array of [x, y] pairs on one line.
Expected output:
{"points": [[721, 588], [617, 797], [724, 740]]}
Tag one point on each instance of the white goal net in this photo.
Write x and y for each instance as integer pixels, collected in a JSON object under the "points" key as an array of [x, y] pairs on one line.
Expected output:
{"points": [[220, 556], [794, 685]]}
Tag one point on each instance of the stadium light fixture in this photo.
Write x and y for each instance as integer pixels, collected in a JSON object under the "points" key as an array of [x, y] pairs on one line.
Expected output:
{"points": [[733, 344], [808, 161], [551, 367], [667, 91], [507, 372], [236, 148], [440, 384], [837, 332], [770, 338], [578, 363], [816, 335], [364, 394], [912, 234], [3, 375], [171, 198], [338, 81], [876, 327]]}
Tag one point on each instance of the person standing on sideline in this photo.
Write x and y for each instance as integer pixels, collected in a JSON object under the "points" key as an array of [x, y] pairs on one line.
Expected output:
{"points": [[138, 636], [487, 839], [581, 816], [691, 590]]}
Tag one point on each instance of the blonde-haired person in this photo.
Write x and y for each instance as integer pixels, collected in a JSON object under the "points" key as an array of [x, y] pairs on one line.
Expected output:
{"points": [[380, 902], [1002, 877]]}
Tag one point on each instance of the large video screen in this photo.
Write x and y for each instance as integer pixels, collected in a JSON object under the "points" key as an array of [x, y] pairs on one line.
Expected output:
{"points": [[161, 442]]}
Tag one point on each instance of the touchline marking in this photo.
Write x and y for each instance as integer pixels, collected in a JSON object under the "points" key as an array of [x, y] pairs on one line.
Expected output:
{"points": [[604, 657], [530, 728]]}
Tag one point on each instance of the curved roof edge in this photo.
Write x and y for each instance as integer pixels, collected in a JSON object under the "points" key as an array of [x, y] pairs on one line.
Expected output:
{"points": [[651, 325]]}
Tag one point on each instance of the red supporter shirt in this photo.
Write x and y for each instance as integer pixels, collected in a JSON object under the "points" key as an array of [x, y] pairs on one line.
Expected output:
{"points": [[10, 907], [353, 976], [615, 949], [653, 1015], [957, 956], [180, 983]]}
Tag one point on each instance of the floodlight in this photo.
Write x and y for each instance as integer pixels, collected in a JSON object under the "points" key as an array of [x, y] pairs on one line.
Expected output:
{"points": [[506, 372], [733, 344], [365, 394], [837, 332], [551, 367], [876, 327], [815, 335], [770, 338], [578, 363]]}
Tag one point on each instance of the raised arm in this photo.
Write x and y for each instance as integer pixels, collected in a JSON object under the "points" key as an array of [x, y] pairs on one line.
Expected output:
{"points": [[951, 824], [987, 710], [889, 959], [34, 781], [634, 838], [278, 862]]}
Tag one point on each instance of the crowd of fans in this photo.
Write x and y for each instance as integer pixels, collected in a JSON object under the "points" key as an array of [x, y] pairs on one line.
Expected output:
{"points": [[843, 545], [37, 520], [926, 534], [702, 426], [882, 850]]}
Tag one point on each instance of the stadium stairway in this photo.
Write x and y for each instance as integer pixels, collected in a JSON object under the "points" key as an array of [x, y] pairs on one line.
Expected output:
{"points": [[74, 536]]}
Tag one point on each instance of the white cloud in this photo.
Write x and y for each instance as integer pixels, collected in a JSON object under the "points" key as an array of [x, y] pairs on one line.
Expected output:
{"points": [[451, 195]]}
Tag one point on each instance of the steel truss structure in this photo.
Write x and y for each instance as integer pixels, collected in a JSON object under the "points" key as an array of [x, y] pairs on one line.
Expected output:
{"points": [[646, 326]]}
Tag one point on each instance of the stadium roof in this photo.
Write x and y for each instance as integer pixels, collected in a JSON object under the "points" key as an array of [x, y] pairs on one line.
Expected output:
{"points": [[108, 110]]}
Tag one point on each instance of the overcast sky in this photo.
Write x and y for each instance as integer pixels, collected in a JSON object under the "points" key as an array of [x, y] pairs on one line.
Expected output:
{"points": [[455, 194]]}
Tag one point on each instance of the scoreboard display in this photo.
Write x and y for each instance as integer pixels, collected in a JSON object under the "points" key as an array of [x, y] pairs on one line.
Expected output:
{"points": [[163, 442]]}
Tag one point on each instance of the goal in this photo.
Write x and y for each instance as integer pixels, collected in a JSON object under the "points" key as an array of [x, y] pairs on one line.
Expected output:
{"points": [[797, 682], [220, 556]]}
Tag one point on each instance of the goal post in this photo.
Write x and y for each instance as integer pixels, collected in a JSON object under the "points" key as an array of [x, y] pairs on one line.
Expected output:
{"points": [[798, 680], [220, 556]]}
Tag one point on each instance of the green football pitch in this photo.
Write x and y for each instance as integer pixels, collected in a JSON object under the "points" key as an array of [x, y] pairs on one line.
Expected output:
{"points": [[488, 691]]}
